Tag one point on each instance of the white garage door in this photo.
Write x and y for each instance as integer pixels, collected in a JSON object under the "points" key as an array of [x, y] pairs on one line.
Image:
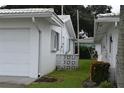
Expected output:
{"points": [[15, 52]]}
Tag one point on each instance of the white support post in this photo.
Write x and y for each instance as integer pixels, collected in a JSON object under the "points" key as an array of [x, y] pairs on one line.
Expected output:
{"points": [[61, 9], [78, 44]]}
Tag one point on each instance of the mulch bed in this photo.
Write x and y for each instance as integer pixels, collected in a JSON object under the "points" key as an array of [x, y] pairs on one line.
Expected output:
{"points": [[48, 79]]}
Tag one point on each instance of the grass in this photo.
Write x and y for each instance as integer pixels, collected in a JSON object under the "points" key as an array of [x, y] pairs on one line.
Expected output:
{"points": [[71, 79]]}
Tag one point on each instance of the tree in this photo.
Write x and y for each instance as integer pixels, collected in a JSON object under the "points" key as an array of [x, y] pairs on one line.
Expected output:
{"points": [[99, 9]]}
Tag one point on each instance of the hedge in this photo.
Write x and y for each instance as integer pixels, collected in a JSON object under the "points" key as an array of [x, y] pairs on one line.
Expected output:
{"points": [[84, 52], [99, 71]]}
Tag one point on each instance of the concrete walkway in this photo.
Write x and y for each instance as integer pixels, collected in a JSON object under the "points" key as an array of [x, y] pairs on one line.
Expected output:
{"points": [[14, 81]]}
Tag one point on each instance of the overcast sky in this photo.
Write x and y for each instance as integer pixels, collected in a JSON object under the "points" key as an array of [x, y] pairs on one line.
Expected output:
{"points": [[116, 8]]}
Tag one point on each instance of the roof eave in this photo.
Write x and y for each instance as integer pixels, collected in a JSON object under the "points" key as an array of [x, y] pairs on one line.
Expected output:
{"points": [[51, 15], [26, 15], [56, 19], [71, 32], [103, 20], [107, 19]]}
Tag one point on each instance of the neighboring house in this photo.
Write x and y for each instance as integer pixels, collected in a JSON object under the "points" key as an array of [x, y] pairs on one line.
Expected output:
{"points": [[106, 40], [30, 40], [68, 35], [66, 58]]}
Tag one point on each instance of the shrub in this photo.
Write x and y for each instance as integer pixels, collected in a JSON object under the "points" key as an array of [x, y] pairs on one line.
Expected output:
{"points": [[84, 52], [99, 71], [105, 84]]}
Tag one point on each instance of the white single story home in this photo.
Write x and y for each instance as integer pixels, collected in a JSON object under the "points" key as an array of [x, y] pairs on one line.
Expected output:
{"points": [[68, 35], [30, 40], [106, 32]]}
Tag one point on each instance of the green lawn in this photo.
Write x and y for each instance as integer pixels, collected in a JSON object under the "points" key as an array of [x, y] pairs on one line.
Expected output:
{"points": [[70, 79]]}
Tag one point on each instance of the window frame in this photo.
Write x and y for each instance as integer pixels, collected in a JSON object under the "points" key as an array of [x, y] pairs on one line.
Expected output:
{"points": [[54, 41]]}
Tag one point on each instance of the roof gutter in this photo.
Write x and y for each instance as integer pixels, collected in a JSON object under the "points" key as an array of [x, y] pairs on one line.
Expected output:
{"points": [[53, 16], [26, 15]]}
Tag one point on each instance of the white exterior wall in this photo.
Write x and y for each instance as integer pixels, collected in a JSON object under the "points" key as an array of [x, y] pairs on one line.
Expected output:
{"points": [[47, 57], [68, 44], [41, 60], [40, 63], [65, 40], [72, 47], [98, 49], [108, 56], [104, 49], [112, 56]]}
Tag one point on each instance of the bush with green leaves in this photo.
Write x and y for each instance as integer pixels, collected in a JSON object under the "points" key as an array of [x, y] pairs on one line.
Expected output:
{"points": [[84, 52], [99, 71], [105, 84]]}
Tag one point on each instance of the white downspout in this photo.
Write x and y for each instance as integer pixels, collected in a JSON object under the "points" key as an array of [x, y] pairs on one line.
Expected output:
{"points": [[34, 22]]}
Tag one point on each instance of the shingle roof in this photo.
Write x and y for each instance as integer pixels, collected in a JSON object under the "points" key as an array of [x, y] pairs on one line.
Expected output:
{"points": [[28, 10]]}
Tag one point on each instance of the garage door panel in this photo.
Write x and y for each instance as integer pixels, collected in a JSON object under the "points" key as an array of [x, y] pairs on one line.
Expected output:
{"points": [[14, 40], [14, 70], [10, 47], [12, 58], [15, 52]]}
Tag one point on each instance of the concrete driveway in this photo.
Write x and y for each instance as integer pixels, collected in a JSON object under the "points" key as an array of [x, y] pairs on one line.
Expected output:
{"points": [[15, 81]]}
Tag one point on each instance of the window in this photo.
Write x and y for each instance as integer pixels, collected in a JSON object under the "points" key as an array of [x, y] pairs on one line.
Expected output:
{"points": [[55, 41]]}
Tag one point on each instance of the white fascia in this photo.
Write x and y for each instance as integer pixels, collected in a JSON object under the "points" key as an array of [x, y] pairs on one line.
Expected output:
{"points": [[51, 15], [70, 30], [108, 19], [25, 15], [57, 20]]}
